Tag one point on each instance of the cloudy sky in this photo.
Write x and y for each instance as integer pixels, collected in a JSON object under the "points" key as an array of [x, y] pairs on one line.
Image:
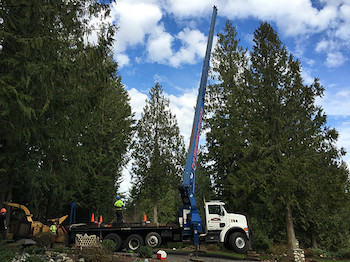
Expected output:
{"points": [[165, 41]]}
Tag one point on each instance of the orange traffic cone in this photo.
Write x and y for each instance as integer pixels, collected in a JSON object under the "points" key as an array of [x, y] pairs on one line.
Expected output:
{"points": [[145, 218], [93, 218], [100, 219]]}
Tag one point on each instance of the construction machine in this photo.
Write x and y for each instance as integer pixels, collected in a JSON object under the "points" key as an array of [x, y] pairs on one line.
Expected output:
{"points": [[27, 227]]}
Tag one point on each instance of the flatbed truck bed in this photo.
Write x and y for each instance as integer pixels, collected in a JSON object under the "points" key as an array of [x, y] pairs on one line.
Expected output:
{"points": [[129, 235]]}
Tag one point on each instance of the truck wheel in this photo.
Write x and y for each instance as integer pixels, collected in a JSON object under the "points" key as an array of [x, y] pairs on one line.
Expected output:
{"points": [[134, 242], [238, 242], [153, 239], [116, 239]]}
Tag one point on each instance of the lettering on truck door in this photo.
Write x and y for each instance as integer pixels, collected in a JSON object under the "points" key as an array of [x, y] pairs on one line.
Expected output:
{"points": [[215, 219]]}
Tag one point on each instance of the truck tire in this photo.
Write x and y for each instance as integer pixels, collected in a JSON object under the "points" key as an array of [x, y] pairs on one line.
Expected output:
{"points": [[238, 242], [116, 239], [134, 242], [153, 239]]}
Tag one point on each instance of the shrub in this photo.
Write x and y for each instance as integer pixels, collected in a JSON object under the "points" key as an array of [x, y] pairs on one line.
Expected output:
{"points": [[7, 253], [43, 239], [326, 254], [309, 252], [96, 254], [109, 244], [344, 253], [35, 258], [261, 241], [59, 249], [176, 245], [278, 250], [145, 252]]}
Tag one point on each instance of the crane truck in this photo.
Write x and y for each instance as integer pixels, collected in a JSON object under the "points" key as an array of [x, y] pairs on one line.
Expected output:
{"points": [[219, 225]]}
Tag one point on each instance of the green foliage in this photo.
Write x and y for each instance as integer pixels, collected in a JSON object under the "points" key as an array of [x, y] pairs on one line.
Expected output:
{"points": [[261, 241], [66, 118], [7, 253], [325, 254], [35, 258], [59, 249], [145, 252], [43, 239], [269, 149], [279, 250], [158, 153], [177, 245], [96, 254], [34, 250], [344, 253], [109, 245]]}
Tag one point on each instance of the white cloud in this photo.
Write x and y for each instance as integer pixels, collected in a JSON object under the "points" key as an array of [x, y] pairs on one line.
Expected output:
{"points": [[135, 20], [183, 107], [185, 8], [193, 47], [159, 46], [137, 101], [335, 59], [122, 59], [336, 102]]}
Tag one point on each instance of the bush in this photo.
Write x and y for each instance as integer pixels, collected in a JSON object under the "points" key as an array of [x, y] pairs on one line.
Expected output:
{"points": [[96, 254], [31, 250], [7, 253], [325, 254], [43, 239], [176, 245], [35, 258], [278, 250], [59, 249], [344, 253], [109, 244], [261, 242], [145, 252]]}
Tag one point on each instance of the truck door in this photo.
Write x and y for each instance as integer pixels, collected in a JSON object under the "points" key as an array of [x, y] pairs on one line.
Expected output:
{"points": [[215, 217]]}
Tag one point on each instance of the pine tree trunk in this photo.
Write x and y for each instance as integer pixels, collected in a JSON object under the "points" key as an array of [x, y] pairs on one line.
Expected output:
{"points": [[313, 237], [155, 212], [5, 184], [290, 229]]}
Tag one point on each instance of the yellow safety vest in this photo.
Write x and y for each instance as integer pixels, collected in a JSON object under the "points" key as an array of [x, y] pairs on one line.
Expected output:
{"points": [[119, 204], [53, 229]]}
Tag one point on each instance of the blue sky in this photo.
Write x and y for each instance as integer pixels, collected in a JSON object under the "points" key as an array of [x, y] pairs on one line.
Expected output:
{"points": [[165, 41]]}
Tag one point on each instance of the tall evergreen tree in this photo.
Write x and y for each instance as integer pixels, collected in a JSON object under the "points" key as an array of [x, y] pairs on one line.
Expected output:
{"points": [[158, 154], [266, 134], [52, 83], [228, 112]]}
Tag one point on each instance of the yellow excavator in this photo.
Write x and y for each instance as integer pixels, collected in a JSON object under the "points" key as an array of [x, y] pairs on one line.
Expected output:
{"points": [[31, 228]]}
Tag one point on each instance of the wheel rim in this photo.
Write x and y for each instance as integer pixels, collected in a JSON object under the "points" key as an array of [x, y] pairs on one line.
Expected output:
{"points": [[152, 241], [134, 244], [240, 242]]}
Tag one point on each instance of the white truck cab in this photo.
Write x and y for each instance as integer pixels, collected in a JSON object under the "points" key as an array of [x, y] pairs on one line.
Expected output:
{"points": [[228, 228]]}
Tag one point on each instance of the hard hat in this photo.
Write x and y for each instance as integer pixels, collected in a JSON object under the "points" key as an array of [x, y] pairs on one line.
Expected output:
{"points": [[3, 210], [118, 197]]}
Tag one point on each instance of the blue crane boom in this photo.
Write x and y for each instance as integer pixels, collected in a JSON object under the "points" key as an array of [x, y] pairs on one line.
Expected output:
{"points": [[193, 224]]}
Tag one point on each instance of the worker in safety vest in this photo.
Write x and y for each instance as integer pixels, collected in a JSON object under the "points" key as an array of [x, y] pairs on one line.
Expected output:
{"points": [[119, 206], [53, 230]]}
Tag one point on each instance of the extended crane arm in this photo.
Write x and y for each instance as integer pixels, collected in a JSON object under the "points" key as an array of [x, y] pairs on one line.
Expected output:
{"points": [[187, 189]]}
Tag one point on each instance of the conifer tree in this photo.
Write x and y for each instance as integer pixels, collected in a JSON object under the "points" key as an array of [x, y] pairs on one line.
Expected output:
{"points": [[266, 135], [52, 84], [158, 154]]}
